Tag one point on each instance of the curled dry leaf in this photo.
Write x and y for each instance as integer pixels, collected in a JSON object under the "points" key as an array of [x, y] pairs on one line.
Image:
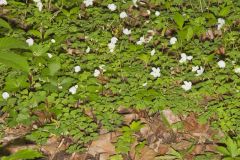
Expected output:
{"points": [[170, 116]]}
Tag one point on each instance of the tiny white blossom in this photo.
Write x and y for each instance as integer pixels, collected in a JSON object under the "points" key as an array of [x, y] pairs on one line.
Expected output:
{"points": [[173, 40], [88, 49], [114, 40], [96, 73], [141, 41], [50, 55], [185, 58], [135, 3], [237, 70], [111, 47], [3, 2], [53, 40], [126, 31], [123, 15], [88, 2], [221, 64], [112, 7], [195, 68], [221, 22], [30, 41], [144, 84], [39, 4], [157, 13], [187, 85], [153, 52], [77, 69], [155, 72], [73, 89], [5, 95], [148, 12], [200, 71]]}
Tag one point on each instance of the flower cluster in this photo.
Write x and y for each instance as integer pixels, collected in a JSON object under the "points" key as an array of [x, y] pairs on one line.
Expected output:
{"points": [[112, 44]]}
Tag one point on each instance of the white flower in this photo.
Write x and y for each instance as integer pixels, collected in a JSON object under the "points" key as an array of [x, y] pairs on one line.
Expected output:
{"points": [[126, 31], [39, 4], [144, 84], [96, 73], [5, 95], [187, 85], [73, 89], [221, 22], [185, 58], [3, 2], [102, 67], [114, 40], [153, 52], [135, 3], [123, 15], [237, 70], [221, 64], [195, 68], [148, 12], [50, 55], [173, 40], [111, 47], [200, 71], [141, 41], [88, 49], [112, 7], [155, 72], [53, 41], [157, 13], [77, 69], [30, 41], [88, 2]]}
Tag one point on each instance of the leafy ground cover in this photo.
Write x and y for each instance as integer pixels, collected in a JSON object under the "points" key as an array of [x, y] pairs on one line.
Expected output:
{"points": [[105, 79]]}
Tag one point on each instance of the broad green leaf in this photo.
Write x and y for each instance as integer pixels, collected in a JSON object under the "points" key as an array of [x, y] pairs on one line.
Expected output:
{"points": [[14, 60], [10, 42], [4, 24], [35, 33], [223, 150], [225, 11], [179, 20], [54, 67]]}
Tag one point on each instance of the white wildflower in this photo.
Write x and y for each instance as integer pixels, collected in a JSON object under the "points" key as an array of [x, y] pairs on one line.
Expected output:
{"points": [[112, 7], [126, 31], [195, 68], [200, 71], [155, 72], [30, 41], [135, 3], [237, 70], [88, 49], [141, 41], [111, 47], [157, 13], [187, 85], [88, 2], [50, 55], [221, 64], [5, 95], [73, 89], [123, 15], [221, 22], [53, 40], [185, 58], [173, 40], [77, 69], [114, 40], [3, 2], [96, 73], [153, 52]]}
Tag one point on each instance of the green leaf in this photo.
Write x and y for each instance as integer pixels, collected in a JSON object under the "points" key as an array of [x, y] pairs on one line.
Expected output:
{"points": [[24, 155], [5, 24], [54, 67], [189, 34], [14, 60], [223, 150], [225, 11], [179, 20], [35, 33], [10, 42]]}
